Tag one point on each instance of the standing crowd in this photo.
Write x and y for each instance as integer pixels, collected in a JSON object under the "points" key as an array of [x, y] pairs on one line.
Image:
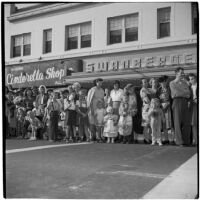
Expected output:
{"points": [[168, 114]]}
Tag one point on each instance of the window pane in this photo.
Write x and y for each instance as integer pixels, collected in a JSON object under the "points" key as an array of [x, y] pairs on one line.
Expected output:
{"points": [[131, 34], [164, 30], [115, 36], [72, 31], [18, 40], [17, 51], [194, 18], [131, 21], [48, 35], [163, 15], [72, 43], [48, 46], [115, 24], [27, 39], [85, 41], [27, 50], [86, 29]]}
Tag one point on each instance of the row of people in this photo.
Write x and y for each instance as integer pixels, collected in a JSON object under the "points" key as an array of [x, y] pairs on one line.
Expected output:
{"points": [[115, 115]]}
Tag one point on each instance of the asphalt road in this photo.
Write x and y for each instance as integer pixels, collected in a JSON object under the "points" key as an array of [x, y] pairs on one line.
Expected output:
{"points": [[88, 171]]}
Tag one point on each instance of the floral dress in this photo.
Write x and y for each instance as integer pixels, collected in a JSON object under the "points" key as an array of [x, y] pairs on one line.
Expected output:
{"points": [[145, 96]]}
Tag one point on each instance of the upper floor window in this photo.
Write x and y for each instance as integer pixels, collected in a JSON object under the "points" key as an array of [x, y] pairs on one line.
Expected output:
{"points": [[123, 29], [47, 41], [163, 17], [78, 36], [21, 45], [194, 18]]}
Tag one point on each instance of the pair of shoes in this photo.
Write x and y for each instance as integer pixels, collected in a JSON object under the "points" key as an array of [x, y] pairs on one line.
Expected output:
{"points": [[160, 144], [165, 142], [153, 143], [146, 142], [66, 140], [88, 140]]}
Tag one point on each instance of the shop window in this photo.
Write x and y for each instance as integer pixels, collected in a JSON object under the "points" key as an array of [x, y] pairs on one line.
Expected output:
{"points": [[78, 36], [47, 41], [194, 18], [21, 45], [163, 17]]}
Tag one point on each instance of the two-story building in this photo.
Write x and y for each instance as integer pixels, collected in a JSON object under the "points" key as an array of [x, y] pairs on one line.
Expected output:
{"points": [[60, 43]]}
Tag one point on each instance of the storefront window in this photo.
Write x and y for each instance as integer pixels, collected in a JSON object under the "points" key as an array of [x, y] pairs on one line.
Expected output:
{"points": [[194, 18], [21, 45], [163, 16], [47, 38], [78, 36], [123, 29]]}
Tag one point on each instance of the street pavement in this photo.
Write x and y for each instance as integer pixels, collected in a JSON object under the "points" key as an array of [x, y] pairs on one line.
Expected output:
{"points": [[90, 171]]}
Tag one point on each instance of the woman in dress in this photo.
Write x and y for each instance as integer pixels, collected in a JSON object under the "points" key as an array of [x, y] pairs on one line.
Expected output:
{"points": [[95, 94]]}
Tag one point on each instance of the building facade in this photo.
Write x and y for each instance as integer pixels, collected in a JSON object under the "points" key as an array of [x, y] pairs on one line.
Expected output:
{"points": [[61, 43]]}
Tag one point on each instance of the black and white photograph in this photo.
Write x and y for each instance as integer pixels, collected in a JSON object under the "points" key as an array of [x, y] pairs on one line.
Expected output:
{"points": [[100, 100]]}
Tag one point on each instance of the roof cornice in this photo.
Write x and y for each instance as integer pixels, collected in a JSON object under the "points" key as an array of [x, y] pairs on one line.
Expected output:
{"points": [[43, 10]]}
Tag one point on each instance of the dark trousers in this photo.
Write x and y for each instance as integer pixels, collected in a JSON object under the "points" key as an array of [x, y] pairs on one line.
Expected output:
{"points": [[181, 121], [53, 125]]}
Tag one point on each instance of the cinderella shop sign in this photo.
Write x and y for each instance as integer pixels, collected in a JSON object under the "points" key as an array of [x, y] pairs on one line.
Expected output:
{"points": [[29, 76]]}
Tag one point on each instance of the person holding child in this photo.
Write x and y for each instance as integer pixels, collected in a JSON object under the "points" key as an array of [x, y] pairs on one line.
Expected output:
{"points": [[125, 120], [110, 125]]}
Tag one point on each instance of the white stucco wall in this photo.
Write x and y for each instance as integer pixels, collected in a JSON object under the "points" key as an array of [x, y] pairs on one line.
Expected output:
{"points": [[181, 29]]}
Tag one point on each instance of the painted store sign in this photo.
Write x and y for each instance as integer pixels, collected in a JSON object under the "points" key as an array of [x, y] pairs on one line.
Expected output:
{"points": [[48, 73], [140, 62]]}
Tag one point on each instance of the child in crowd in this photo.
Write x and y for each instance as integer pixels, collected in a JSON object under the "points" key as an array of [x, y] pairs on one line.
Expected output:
{"points": [[20, 130], [110, 125], [83, 120], [99, 114], [156, 117], [70, 118], [35, 124], [125, 120], [36, 109]]}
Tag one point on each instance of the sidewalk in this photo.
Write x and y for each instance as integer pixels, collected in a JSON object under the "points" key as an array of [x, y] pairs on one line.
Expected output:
{"points": [[180, 184]]}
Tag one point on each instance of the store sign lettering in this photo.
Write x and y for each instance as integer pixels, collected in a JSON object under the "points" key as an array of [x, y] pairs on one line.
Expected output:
{"points": [[151, 61], [37, 75]]}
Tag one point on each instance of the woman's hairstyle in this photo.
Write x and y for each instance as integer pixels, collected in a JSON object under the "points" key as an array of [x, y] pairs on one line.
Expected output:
{"points": [[42, 86], [151, 80], [192, 75], [26, 90], [97, 80], [116, 82], [163, 79]]}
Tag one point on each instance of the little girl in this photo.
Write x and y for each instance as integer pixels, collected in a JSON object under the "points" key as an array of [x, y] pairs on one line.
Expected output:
{"points": [[125, 120], [20, 130], [156, 117], [110, 125], [83, 120], [70, 118], [35, 123], [99, 114]]}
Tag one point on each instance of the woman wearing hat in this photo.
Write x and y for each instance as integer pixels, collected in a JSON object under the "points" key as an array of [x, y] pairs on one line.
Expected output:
{"points": [[95, 94]]}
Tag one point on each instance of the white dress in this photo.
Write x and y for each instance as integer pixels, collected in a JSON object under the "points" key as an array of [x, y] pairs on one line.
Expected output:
{"points": [[110, 126]]}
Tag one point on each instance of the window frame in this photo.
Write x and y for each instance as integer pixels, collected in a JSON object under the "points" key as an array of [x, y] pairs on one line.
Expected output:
{"points": [[193, 4], [158, 22], [123, 29], [79, 36], [44, 51], [22, 45]]}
